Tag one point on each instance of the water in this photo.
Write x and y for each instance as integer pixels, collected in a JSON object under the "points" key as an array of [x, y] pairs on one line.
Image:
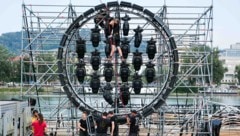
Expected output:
{"points": [[228, 99], [5, 96], [225, 99]]}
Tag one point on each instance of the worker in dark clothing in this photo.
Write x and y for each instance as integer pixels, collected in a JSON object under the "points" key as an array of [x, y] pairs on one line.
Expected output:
{"points": [[113, 124], [132, 121], [102, 125], [82, 125], [114, 37]]}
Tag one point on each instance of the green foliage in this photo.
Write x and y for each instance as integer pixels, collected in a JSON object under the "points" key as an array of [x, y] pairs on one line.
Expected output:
{"points": [[206, 68], [186, 90], [10, 71], [15, 75], [218, 69], [237, 71], [43, 66], [46, 66], [10, 89], [12, 41], [5, 65]]}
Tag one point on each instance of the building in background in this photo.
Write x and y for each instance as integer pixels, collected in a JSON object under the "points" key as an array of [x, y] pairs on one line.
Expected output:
{"points": [[230, 58]]}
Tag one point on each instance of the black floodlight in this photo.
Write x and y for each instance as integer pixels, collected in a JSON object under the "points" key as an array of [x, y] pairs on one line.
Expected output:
{"points": [[137, 83], [80, 48], [108, 71], [81, 71], [150, 72], [137, 60], [95, 36], [95, 83], [151, 48], [124, 94], [125, 19], [107, 93], [95, 60], [125, 48], [124, 71], [138, 36]]}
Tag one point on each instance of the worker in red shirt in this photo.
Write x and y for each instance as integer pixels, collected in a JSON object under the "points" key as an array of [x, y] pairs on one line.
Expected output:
{"points": [[39, 126]]}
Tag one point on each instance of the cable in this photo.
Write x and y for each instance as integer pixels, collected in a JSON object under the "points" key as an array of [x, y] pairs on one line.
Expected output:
{"points": [[31, 58]]}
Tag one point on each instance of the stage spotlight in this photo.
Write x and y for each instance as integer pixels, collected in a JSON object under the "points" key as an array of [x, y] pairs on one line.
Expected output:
{"points": [[151, 48], [125, 48], [95, 36], [124, 94], [80, 71], [108, 71], [95, 83], [137, 83], [138, 36], [80, 48], [125, 19], [107, 93], [124, 71], [150, 72], [95, 60], [137, 60]]}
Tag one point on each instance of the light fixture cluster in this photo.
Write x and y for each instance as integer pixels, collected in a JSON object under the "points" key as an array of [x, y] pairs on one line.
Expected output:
{"points": [[108, 71]]}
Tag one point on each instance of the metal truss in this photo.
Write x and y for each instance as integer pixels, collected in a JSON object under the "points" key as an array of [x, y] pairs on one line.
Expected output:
{"points": [[192, 27]]}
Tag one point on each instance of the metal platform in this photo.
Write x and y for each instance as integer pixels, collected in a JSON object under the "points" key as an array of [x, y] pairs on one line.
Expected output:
{"points": [[15, 118]]}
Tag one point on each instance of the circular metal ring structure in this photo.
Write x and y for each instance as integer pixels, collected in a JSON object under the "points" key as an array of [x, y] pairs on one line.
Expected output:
{"points": [[165, 60]]}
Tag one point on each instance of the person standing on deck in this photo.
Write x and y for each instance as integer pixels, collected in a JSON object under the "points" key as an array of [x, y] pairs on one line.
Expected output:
{"points": [[132, 121], [82, 125], [113, 124]]}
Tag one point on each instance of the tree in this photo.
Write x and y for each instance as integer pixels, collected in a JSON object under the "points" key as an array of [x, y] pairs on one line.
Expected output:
{"points": [[218, 69], [217, 65], [15, 75], [237, 71], [5, 64], [45, 66], [12, 41]]}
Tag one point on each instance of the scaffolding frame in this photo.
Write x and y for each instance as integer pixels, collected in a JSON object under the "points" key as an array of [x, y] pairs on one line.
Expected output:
{"points": [[44, 25]]}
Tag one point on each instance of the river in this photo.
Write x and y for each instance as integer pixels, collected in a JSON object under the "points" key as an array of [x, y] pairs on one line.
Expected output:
{"points": [[230, 99]]}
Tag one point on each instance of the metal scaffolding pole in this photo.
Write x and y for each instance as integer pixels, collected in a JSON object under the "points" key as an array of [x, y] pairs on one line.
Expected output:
{"points": [[44, 26]]}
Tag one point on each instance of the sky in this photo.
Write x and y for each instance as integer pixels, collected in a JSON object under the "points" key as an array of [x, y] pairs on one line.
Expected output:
{"points": [[226, 14]]}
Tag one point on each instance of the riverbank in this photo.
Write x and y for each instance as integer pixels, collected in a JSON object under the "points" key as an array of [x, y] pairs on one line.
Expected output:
{"points": [[10, 89], [18, 89]]}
